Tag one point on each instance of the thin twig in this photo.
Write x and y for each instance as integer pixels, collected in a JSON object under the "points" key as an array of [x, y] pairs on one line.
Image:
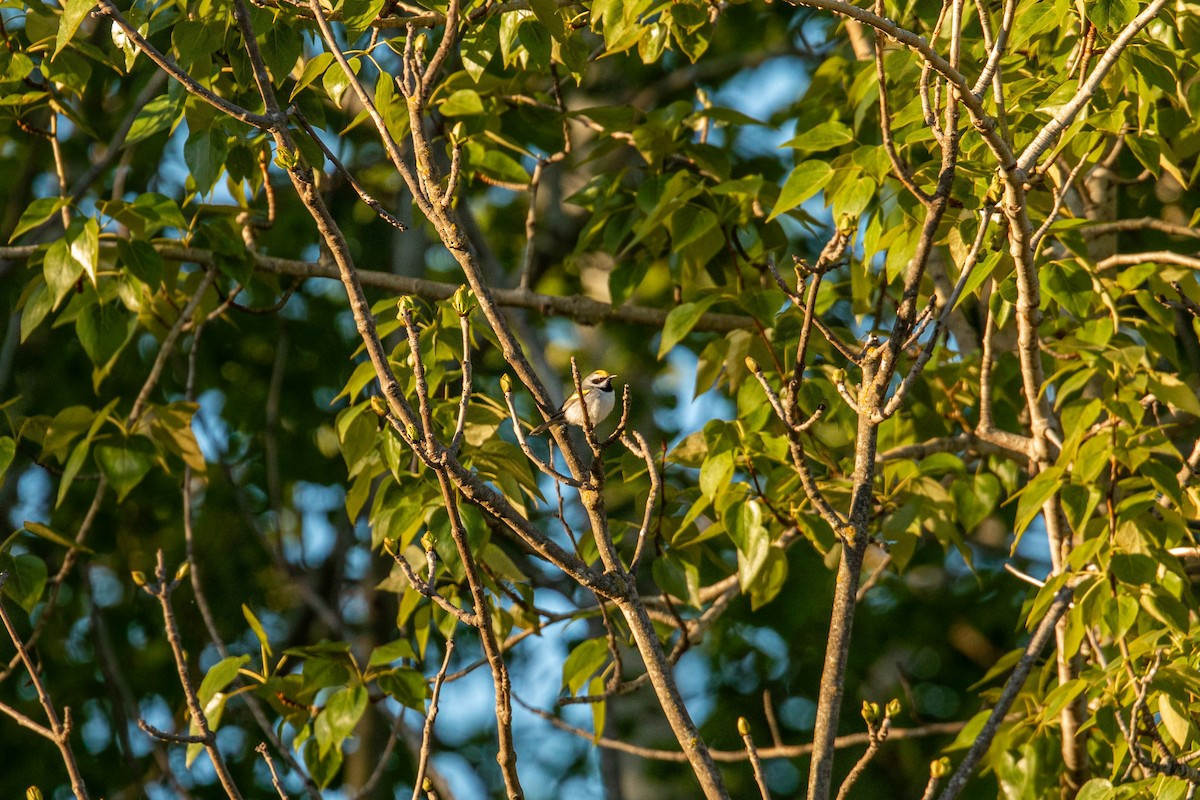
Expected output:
{"points": [[430, 717], [878, 734], [60, 732], [109, 9], [1041, 636], [543, 466], [161, 589], [735, 756], [375, 205], [899, 169], [756, 766], [265, 753], [579, 308], [168, 345]]}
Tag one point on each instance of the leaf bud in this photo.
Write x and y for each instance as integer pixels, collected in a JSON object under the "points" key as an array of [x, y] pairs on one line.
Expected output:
{"points": [[839, 376], [505, 384], [379, 406], [463, 301], [411, 430], [743, 726], [752, 365], [33, 793], [427, 542], [870, 712], [139, 577], [893, 707], [184, 569], [286, 159], [940, 768], [406, 303]]}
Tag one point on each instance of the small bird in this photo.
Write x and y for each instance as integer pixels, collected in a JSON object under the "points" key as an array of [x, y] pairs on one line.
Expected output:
{"points": [[599, 396]]}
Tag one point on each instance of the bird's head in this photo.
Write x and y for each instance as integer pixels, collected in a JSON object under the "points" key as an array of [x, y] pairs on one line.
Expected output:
{"points": [[600, 379]]}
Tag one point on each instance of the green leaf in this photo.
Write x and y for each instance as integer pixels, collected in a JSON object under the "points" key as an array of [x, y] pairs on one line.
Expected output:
{"points": [[546, 12], [339, 716], [462, 103], [975, 499], [1170, 389], [156, 116], [170, 427], [584, 659], [219, 676], [1108, 14], [690, 223], [1033, 20], [770, 580], [498, 165], [74, 13], [125, 463], [85, 247], [38, 529], [26, 579], [357, 15], [1148, 151], [145, 216], [314, 69], [599, 708], [982, 271], [478, 45], [281, 46], [60, 269], [677, 578], [970, 732], [38, 304], [1166, 609], [1033, 496], [536, 41], [37, 213], [752, 540], [716, 472], [501, 566], [74, 464], [805, 180], [197, 40], [103, 329], [142, 261], [1176, 720], [335, 81], [214, 710], [204, 153], [257, 627], [1096, 789], [680, 322], [66, 426], [853, 196], [8, 451], [323, 766], [392, 651], [1119, 614], [825, 136], [405, 685]]}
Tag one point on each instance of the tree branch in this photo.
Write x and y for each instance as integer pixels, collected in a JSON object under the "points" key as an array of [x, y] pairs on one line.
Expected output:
{"points": [[1041, 637]]}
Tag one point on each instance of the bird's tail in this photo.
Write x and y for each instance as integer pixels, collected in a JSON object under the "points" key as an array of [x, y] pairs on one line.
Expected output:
{"points": [[545, 426]]}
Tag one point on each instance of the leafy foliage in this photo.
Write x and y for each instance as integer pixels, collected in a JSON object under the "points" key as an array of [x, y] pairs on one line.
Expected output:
{"points": [[183, 373]]}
